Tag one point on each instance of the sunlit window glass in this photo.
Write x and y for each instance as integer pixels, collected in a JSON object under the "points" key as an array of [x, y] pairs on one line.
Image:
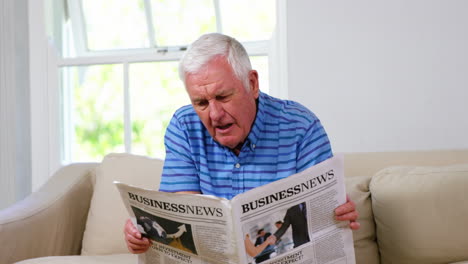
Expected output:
{"points": [[116, 24], [96, 111], [93, 97], [248, 20], [260, 64], [156, 92], [180, 22]]}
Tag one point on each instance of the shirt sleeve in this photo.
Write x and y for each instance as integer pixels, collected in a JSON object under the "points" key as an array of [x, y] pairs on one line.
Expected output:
{"points": [[180, 171], [314, 148]]}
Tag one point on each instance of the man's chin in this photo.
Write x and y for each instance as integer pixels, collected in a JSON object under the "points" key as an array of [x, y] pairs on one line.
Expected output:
{"points": [[227, 143]]}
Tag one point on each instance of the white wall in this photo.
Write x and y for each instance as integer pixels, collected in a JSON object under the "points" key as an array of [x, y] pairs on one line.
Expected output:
{"points": [[382, 75]]}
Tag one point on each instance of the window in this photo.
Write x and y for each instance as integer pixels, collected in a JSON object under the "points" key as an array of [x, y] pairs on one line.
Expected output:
{"points": [[118, 67]]}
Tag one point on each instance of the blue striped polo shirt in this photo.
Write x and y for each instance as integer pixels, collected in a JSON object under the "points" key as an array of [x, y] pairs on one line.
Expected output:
{"points": [[285, 138]]}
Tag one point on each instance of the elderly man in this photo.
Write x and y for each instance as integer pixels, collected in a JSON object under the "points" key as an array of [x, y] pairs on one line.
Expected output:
{"points": [[233, 137]]}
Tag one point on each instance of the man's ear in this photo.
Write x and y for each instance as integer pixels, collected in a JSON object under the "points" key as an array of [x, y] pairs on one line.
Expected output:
{"points": [[254, 83]]}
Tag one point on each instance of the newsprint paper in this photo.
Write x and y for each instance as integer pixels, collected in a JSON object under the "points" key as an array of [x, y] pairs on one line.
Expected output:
{"points": [[286, 221]]}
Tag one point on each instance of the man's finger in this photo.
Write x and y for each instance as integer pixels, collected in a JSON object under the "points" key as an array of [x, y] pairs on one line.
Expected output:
{"points": [[354, 225], [345, 208], [130, 228], [138, 246], [138, 241], [352, 216], [136, 251]]}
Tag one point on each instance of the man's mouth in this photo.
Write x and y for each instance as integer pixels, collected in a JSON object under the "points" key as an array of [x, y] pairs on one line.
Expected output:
{"points": [[224, 127]]}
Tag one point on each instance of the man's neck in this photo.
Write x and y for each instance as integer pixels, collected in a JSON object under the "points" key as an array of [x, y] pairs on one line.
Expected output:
{"points": [[238, 148]]}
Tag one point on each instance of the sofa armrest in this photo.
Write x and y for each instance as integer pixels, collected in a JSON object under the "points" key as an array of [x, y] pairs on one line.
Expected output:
{"points": [[51, 220]]}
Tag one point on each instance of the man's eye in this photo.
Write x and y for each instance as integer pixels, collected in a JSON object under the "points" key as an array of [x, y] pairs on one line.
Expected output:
{"points": [[221, 97], [202, 103]]}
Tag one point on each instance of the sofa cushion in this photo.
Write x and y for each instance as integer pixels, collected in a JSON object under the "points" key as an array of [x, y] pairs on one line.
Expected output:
{"points": [[421, 214], [107, 214], [365, 245], [109, 259]]}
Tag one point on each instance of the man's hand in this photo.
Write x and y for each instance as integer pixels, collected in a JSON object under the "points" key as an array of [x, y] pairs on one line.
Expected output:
{"points": [[347, 212], [136, 243], [271, 240]]}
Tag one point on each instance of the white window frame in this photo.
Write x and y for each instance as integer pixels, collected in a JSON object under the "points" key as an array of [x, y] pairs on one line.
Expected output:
{"points": [[44, 75]]}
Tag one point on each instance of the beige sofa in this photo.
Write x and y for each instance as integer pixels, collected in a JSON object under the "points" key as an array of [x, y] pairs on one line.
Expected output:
{"points": [[413, 211]]}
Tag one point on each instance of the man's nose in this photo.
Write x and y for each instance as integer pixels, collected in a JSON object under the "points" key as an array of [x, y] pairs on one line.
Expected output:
{"points": [[216, 111]]}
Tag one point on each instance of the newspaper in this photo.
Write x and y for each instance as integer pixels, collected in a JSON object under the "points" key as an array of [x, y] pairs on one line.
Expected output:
{"points": [[286, 221]]}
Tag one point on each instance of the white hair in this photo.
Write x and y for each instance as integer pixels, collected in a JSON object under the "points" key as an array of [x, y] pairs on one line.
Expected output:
{"points": [[207, 47]]}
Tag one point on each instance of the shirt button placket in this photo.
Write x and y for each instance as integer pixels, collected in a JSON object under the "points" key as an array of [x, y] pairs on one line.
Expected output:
{"points": [[239, 184]]}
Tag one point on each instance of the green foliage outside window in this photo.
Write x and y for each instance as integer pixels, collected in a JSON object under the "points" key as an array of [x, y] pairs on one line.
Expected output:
{"points": [[97, 99]]}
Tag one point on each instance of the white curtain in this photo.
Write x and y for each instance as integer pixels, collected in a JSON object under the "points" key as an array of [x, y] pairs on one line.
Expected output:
{"points": [[15, 158]]}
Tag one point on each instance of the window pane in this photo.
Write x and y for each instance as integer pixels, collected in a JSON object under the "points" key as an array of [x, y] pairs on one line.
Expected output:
{"points": [[260, 64], [117, 24], [156, 92], [95, 106], [181, 22], [248, 20]]}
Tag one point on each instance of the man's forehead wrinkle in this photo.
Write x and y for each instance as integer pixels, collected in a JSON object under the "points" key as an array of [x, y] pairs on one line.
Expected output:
{"points": [[208, 86], [202, 92]]}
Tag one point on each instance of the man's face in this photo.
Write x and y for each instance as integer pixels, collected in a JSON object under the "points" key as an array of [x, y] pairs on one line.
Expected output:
{"points": [[225, 107]]}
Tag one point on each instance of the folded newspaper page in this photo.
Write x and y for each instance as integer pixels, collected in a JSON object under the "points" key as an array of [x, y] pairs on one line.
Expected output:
{"points": [[286, 221]]}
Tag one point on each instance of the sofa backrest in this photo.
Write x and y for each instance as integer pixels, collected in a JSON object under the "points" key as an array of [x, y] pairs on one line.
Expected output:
{"points": [[379, 195], [369, 163], [107, 215]]}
